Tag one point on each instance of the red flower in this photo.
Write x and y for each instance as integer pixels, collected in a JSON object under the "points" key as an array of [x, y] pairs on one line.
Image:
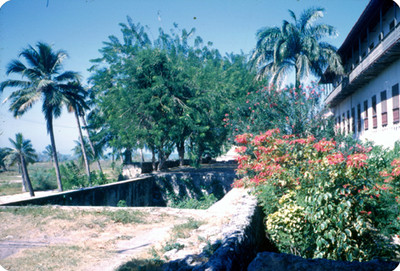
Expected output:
{"points": [[242, 139], [357, 160], [335, 158], [325, 145]]}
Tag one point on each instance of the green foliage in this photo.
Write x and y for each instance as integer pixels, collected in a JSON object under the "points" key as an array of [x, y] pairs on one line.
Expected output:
{"points": [[170, 246], [189, 203], [322, 202], [298, 45], [285, 226], [125, 216], [165, 94], [298, 111], [122, 203], [43, 179], [73, 177]]}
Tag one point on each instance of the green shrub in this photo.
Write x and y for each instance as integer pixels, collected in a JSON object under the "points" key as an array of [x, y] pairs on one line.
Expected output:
{"points": [[189, 203], [72, 176], [322, 201], [43, 179]]}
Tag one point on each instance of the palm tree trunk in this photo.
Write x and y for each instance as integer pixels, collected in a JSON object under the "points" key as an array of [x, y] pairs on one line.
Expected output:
{"points": [[23, 178], [83, 147], [53, 146], [91, 144], [25, 173]]}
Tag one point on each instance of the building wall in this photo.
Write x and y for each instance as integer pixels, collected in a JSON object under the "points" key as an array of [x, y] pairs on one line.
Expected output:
{"points": [[384, 135]]}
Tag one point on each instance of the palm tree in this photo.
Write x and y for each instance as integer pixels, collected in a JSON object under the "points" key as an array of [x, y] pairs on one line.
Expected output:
{"points": [[42, 79], [22, 153], [296, 46], [48, 151], [75, 101], [78, 151]]}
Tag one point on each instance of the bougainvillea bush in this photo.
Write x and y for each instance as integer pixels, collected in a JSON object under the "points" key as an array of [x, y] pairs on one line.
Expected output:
{"points": [[322, 200]]}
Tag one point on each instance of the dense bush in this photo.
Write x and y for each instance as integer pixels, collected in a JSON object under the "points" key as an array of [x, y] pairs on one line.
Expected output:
{"points": [[323, 200], [43, 179]]}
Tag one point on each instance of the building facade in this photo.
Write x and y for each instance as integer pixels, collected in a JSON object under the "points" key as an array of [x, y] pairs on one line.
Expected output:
{"points": [[365, 100]]}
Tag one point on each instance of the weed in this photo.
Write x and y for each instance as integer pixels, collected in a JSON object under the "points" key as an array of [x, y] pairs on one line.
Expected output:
{"points": [[125, 216], [183, 230], [170, 246], [122, 203]]}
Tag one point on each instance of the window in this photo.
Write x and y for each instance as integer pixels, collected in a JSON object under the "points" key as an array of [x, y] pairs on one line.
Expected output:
{"points": [[359, 117], [374, 118], [384, 108], [366, 115], [353, 120], [371, 46], [395, 99], [391, 25], [344, 123], [348, 121]]}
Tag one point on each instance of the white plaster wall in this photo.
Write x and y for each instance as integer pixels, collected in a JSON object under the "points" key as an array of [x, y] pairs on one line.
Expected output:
{"points": [[385, 136]]}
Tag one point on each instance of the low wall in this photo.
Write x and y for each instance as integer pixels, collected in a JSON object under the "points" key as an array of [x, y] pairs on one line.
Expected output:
{"points": [[287, 262], [243, 236], [152, 190]]}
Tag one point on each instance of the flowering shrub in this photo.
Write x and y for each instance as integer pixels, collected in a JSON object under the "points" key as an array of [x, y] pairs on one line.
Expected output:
{"points": [[322, 201]]}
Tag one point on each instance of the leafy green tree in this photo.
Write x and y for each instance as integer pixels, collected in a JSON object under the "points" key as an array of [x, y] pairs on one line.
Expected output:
{"points": [[167, 94], [296, 45], [42, 80], [22, 153]]}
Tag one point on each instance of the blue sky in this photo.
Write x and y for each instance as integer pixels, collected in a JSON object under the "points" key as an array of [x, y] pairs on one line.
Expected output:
{"points": [[80, 27]]}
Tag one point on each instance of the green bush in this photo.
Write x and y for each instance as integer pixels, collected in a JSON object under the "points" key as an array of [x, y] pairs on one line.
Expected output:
{"points": [[43, 179], [72, 176], [323, 201], [189, 203]]}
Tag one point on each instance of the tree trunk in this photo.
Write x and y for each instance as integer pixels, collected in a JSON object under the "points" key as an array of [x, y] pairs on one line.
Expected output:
{"points": [[297, 77], [153, 158], [25, 173], [23, 178], [91, 144], [161, 160], [128, 156], [181, 152], [53, 146], [87, 166]]}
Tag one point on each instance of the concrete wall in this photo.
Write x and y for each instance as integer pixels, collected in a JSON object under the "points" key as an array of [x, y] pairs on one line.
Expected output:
{"points": [[152, 190]]}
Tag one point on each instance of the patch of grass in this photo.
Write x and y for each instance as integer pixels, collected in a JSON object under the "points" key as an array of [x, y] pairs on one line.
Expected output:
{"points": [[183, 230], [203, 203], [125, 216], [46, 258], [10, 188], [173, 245]]}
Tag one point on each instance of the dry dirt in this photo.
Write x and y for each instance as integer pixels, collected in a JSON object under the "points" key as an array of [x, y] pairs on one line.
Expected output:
{"points": [[85, 238]]}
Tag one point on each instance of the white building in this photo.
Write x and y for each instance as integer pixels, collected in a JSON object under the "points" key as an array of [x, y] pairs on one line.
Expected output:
{"points": [[365, 101]]}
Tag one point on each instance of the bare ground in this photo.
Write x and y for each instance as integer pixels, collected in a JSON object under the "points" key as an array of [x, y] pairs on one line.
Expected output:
{"points": [[85, 238]]}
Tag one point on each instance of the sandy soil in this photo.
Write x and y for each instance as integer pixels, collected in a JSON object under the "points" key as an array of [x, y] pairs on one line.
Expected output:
{"points": [[82, 238]]}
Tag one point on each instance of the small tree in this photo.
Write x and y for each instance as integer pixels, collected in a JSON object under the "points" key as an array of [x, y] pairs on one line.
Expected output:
{"points": [[22, 153]]}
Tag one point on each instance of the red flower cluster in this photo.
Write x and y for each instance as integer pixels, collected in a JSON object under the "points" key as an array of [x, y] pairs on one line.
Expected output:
{"points": [[335, 158], [241, 149], [357, 160], [325, 145], [242, 139]]}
